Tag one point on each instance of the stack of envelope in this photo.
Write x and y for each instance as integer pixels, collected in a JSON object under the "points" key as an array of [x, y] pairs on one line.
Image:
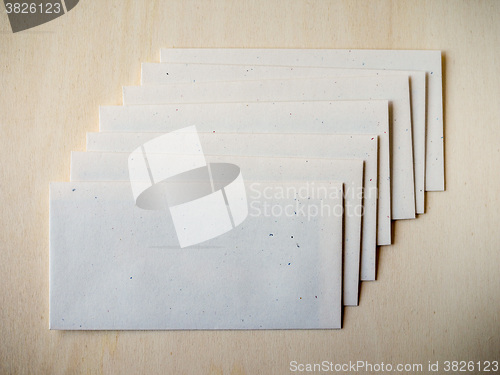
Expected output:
{"points": [[244, 188]]}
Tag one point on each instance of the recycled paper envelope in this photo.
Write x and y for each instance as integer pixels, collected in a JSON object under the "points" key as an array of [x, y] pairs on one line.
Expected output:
{"points": [[114, 265], [170, 73], [94, 166], [428, 61], [337, 117], [394, 88]]}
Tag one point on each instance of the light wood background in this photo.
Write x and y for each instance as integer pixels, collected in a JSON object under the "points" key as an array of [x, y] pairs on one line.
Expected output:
{"points": [[438, 291]]}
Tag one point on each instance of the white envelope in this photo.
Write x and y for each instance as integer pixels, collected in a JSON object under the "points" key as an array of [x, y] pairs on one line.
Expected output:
{"points": [[170, 73], [99, 166], [95, 166], [274, 145], [337, 117], [116, 266], [428, 61], [391, 87]]}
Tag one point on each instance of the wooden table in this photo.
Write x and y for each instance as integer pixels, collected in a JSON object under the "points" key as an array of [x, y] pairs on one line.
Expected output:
{"points": [[437, 297]]}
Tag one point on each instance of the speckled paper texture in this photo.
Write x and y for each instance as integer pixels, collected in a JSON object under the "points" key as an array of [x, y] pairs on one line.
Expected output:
{"points": [[336, 117], [417, 60], [349, 171], [169, 73], [114, 266], [394, 88]]}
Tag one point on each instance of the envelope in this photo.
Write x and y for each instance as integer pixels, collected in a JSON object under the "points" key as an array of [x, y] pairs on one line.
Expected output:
{"points": [[98, 166], [337, 117], [95, 166], [418, 60], [115, 266], [170, 73], [393, 88]]}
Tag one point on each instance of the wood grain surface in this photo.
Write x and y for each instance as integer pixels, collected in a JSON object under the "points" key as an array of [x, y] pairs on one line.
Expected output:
{"points": [[437, 296]]}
